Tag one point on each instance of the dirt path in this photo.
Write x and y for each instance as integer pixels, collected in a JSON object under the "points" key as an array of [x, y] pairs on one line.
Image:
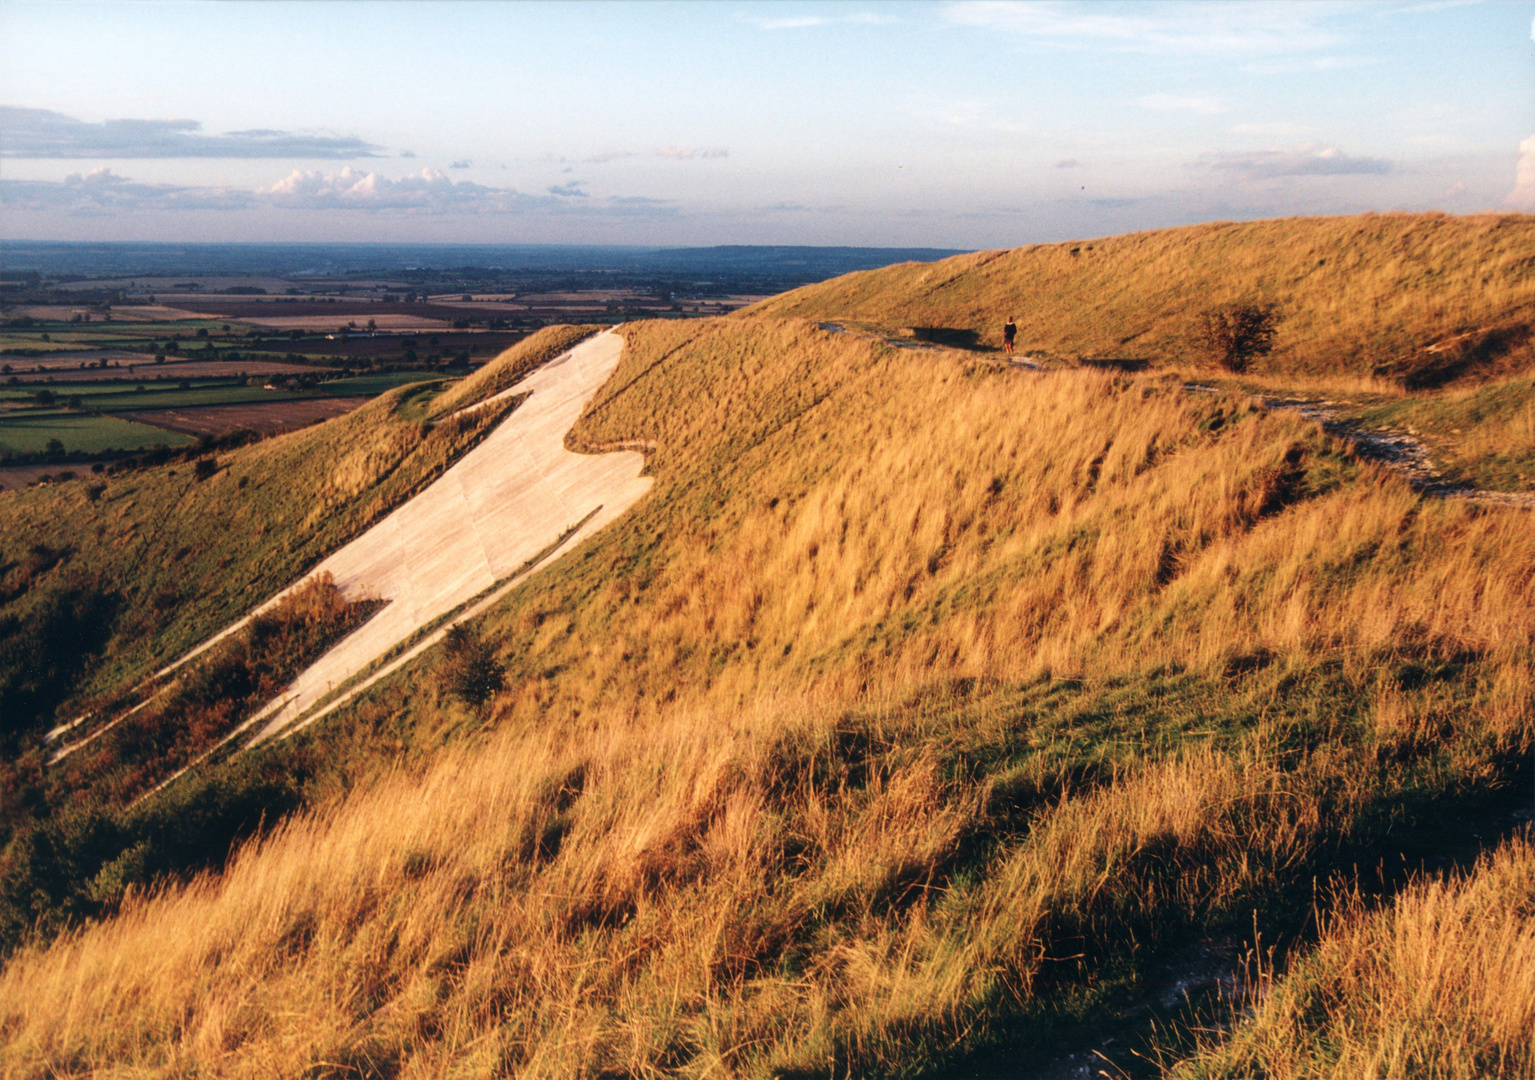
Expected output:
{"points": [[510, 503], [1401, 453]]}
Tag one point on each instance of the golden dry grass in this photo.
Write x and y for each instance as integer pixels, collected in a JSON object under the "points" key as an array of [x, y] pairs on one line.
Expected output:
{"points": [[808, 764], [1375, 294], [867, 506], [567, 905], [506, 369]]}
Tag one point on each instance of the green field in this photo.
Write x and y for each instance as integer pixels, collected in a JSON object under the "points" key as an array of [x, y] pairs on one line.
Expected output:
{"points": [[82, 433], [64, 390], [115, 335], [368, 385], [357, 386], [29, 431], [173, 397]]}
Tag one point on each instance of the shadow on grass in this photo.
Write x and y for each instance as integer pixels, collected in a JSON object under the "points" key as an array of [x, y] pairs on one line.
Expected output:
{"points": [[1115, 363], [1115, 1004], [952, 337]]}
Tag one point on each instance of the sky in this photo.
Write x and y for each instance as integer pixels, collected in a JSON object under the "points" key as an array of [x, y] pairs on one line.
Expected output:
{"points": [[965, 124]]}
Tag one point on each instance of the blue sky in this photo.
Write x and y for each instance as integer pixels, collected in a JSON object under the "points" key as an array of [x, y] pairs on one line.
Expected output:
{"points": [[964, 124]]}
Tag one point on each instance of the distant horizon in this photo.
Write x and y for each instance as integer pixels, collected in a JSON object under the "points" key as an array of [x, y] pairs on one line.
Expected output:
{"points": [[473, 244], [766, 263]]}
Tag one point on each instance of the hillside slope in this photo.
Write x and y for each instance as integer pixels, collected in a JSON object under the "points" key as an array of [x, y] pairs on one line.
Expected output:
{"points": [[924, 708], [167, 553], [106, 578], [1421, 298]]}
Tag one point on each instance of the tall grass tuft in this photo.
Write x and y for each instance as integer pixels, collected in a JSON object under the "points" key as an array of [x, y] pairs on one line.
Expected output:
{"points": [[1440, 982]]}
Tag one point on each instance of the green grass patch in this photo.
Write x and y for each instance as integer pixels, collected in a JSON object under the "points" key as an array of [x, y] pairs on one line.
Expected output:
{"points": [[1483, 437], [369, 385], [169, 394], [28, 392], [26, 346], [81, 433]]}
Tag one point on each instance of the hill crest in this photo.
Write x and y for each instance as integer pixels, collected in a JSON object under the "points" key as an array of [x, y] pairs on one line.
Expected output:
{"points": [[1423, 299]]}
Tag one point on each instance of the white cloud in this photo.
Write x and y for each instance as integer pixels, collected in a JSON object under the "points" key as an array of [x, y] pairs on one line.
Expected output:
{"points": [[1523, 195], [978, 115], [1343, 63], [429, 192], [688, 153], [791, 23], [1309, 159], [99, 178], [1222, 29], [1280, 128], [41, 133], [671, 153], [101, 191], [1207, 106]]}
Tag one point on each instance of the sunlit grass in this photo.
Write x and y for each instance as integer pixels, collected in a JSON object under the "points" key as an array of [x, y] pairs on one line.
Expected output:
{"points": [[1394, 296], [1440, 982], [911, 677]]}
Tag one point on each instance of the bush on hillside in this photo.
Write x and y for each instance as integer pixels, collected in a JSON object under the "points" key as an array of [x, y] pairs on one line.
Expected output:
{"points": [[471, 672], [1236, 334]]}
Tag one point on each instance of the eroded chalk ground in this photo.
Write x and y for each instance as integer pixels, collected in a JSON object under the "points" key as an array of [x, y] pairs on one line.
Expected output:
{"points": [[508, 501]]}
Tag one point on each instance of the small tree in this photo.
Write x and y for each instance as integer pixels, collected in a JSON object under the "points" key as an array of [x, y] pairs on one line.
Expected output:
{"points": [[1237, 333], [471, 671]]}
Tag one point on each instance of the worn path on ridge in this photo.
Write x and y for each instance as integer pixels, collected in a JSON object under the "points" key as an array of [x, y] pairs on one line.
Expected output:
{"points": [[1403, 454]]}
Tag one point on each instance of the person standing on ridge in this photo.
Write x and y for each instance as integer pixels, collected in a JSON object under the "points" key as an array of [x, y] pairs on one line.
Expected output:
{"points": [[1009, 332]]}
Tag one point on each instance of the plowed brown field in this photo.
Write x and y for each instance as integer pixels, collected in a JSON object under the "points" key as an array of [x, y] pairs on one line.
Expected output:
{"points": [[266, 417]]}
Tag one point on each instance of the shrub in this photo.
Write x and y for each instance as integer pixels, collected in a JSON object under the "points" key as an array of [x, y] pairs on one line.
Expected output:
{"points": [[471, 672], [1237, 333]]}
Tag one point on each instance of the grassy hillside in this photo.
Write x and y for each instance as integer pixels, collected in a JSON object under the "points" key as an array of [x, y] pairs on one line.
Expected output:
{"points": [[924, 707], [1418, 298], [178, 549], [510, 366]]}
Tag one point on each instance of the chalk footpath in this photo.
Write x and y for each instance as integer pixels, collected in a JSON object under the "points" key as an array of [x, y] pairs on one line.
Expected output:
{"points": [[504, 502]]}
